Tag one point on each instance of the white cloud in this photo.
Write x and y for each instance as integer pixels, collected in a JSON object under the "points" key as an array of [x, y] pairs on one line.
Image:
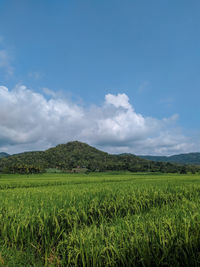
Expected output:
{"points": [[5, 62], [35, 75], [120, 100], [29, 121], [144, 86], [48, 92], [6, 67]]}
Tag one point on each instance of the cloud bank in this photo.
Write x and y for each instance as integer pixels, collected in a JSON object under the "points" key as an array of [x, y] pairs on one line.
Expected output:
{"points": [[30, 121]]}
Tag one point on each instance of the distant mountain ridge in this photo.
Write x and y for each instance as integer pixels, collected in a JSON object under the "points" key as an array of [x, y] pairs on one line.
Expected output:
{"points": [[3, 155], [188, 158], [77, 155]]}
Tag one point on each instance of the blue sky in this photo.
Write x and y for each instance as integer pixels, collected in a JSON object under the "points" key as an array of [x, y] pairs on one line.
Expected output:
{"points": [[86, 56]]}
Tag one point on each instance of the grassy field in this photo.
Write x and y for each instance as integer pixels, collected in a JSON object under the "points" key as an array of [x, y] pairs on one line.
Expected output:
{"points": [[103, 219]]}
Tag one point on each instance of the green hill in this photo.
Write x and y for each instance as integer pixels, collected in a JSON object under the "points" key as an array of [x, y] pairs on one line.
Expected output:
{"points": [[3, 155], [189, 158], [76, 156]]}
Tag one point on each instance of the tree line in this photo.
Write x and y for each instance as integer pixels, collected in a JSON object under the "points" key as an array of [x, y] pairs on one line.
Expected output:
{"points": [[76, 156]]}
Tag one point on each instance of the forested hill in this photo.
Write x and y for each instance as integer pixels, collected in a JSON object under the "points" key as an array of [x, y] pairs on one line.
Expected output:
{"points": [[189, 158], [3, 154], [77, 155]]}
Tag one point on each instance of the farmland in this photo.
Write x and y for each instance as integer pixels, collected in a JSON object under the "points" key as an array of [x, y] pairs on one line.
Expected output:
{"points": [[100, 219]]}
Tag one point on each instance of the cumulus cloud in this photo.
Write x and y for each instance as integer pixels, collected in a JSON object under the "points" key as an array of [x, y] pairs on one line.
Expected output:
{"points": [[30, 121]]}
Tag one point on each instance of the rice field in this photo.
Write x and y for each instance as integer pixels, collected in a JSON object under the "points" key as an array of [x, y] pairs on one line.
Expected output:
{"points": [[102, 219]]}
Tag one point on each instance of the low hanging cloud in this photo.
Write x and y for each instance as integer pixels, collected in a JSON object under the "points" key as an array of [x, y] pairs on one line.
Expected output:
{"points": [[30, 121]]}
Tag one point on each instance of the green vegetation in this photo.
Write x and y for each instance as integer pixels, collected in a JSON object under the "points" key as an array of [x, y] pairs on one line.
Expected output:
{"points": [[3, 155], [101, 219], [79, 157], [188, 158]]}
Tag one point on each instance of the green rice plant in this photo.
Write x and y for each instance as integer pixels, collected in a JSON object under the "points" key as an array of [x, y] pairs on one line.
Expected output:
{"points": [[100, 219]]}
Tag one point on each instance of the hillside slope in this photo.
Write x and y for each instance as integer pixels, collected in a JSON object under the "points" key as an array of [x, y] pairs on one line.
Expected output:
{"points": [[189, 158], [3, 155], [75, 154]]}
